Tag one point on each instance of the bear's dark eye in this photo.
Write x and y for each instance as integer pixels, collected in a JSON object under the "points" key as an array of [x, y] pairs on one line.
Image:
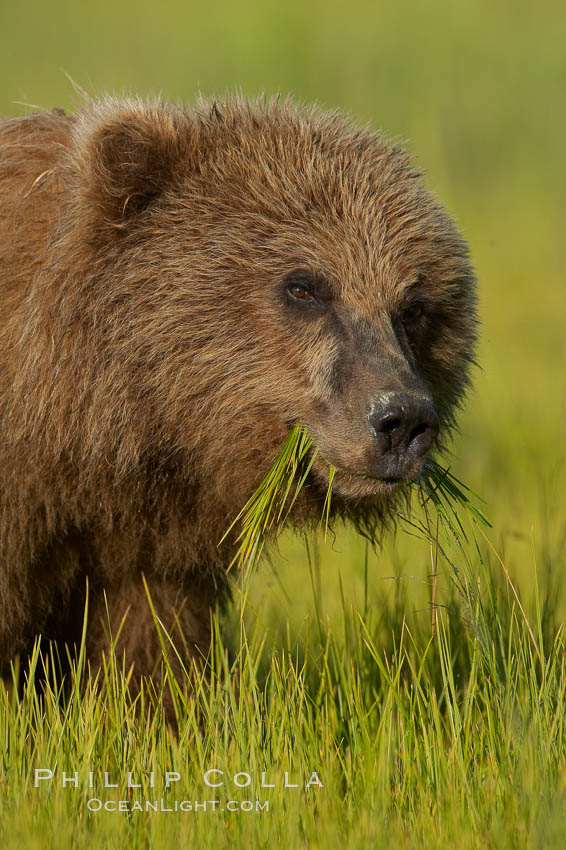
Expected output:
{"points": [[301, 293], [301, 287], [413, 312]]}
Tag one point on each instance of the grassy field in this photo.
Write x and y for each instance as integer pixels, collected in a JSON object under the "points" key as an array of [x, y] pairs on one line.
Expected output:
{"points": [[424, 734]]}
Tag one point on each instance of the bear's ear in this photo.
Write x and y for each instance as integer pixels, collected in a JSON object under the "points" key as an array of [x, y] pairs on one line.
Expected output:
{"points": [[129, 154]]}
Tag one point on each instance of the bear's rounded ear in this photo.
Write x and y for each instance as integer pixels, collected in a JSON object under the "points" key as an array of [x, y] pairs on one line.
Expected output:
{"points": [[129, 154]]}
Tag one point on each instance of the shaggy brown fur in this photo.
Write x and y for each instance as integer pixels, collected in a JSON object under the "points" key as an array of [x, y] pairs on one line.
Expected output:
{"points": [[151, 362]]}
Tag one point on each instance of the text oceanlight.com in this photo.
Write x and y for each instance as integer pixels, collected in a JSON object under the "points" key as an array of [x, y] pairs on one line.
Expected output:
{"points": [[95, 804]]}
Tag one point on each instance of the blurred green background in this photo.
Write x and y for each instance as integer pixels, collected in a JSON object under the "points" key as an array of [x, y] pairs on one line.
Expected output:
{"points": [[477, 90]]}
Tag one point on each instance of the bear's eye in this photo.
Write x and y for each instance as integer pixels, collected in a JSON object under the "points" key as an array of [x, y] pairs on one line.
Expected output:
{"points": [[301, 287], [301, 293], [413, 312]]}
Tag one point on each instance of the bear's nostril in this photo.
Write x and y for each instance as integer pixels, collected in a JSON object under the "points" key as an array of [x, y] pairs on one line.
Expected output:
{"points": [[417, 431], [390, 425]]}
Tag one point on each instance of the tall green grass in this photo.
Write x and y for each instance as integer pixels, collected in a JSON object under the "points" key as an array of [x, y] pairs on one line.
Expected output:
{"points": [[448, 738], [418, 735]]}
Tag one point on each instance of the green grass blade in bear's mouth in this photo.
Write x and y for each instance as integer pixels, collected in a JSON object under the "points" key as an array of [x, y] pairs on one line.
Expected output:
{"points": [[439, 487], [272, 501]]}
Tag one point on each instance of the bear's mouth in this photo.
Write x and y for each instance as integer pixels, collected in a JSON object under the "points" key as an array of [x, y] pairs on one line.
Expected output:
{"points": [[389, 480], [352, 485]]}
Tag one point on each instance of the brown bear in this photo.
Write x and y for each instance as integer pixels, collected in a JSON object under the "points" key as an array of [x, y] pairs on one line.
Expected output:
{"points": [[178, 288]]}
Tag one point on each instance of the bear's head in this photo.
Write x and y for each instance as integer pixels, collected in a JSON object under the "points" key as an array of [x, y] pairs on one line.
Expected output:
{"points": [[254, 266]]}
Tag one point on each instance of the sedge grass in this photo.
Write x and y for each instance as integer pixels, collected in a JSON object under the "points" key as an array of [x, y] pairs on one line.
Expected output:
{"points": [[272, 501], [418, 742], [452, 738], [270, 504]]}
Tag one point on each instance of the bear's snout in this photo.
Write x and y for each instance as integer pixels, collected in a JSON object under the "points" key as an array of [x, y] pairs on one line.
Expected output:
{"points": [[404, 427]]}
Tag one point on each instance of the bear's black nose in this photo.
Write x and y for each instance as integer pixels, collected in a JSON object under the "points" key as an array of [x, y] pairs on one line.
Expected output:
{"points": [[404, 426]]}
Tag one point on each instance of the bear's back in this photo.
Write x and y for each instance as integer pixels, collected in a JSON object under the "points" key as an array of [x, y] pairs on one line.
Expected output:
{"points": [[31, 202]]}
